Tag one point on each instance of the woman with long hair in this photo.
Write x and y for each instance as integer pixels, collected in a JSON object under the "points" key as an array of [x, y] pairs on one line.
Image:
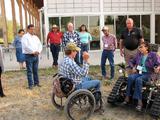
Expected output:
{"points": [[85, 38]]}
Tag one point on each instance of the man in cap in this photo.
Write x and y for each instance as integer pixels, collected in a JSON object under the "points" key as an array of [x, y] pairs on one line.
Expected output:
{"points": [[71, 70], [54, 38], [109, 46]]}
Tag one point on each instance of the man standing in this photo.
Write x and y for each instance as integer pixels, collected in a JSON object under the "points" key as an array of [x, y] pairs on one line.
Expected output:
{"points": [[109, 46], [54, 38], [131, 37], [72, 36], [31, 47]]}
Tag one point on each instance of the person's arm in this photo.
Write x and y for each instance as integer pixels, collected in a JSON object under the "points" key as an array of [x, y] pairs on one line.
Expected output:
{"points": [[39, 46], [81, 71], [64, 39], [141, 36], [78, 40], [121, 46], [90, 37], [48, 38], [1, 59], [115, 42]]}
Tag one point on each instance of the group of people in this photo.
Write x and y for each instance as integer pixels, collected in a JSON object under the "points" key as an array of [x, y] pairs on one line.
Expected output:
{"points": [[75, 64], [55, 39]]}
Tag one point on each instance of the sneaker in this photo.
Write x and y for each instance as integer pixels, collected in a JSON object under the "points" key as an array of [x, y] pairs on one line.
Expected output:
{"points": [[37, 85], [30, 87], [139, 108], [124, 103], [105, 77], [3, 95]]}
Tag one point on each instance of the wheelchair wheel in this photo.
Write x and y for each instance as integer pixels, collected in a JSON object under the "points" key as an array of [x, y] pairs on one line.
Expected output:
{"points": [[80, 105], [58, 102]]}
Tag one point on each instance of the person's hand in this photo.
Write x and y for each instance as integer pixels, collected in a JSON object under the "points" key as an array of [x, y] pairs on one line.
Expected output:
{"points": [[85, 56], [122, 52], [48, 45], [157, 69], [134, 70], [36, 53]]}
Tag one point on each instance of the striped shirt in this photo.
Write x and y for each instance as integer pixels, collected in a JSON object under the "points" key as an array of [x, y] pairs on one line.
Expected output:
{"points": [[109, 42], [70, 69]]}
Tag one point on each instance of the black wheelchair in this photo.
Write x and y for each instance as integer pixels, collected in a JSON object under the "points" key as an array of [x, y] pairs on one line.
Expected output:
{"points": [[150, 91], [77, 104]]}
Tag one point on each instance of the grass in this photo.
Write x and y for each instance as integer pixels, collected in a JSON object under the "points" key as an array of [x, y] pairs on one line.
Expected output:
{"points": [[24, 104]]}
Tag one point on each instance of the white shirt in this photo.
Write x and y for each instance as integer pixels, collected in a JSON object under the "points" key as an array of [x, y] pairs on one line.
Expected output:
{"points": [[31, 44]]}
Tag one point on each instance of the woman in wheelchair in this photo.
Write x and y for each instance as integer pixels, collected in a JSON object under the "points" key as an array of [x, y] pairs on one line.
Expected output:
{"points": [[143, 66], [68, 68]]}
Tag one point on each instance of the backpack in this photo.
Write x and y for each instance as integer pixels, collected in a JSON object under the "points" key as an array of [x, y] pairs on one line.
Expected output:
{"points": [[62, 86]]}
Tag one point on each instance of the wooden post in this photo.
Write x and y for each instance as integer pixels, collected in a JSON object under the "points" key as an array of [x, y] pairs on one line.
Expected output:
{"points": [[14, 18], [25, 12], [5, 33], [20, 13]]}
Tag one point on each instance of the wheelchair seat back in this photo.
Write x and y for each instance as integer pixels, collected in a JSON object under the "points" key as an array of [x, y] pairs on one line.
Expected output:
{"points": [[62, 86]]}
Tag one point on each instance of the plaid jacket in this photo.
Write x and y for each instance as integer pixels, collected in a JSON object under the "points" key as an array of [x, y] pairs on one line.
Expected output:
{"points": [[71, 70], [71, 37]]}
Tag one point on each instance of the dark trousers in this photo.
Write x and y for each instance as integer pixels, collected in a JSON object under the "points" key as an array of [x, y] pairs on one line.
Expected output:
{"points": [[84, 48], [77, 58], [107, 54], [1, 89], [55, 48], [32, 69]]}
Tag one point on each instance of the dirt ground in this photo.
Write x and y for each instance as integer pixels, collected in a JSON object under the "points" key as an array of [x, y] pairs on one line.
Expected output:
{"points": [[23, 104]]}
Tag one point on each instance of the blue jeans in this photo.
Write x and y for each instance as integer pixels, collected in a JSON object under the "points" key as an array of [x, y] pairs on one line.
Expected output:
{"points": [[32, 69], [107, 54], [137, 79], [88, 83], [84, 48], [55, 48]]}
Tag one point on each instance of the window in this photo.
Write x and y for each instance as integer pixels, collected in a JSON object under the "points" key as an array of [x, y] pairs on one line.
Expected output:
{"points": [[53, 20], [79, 20], [120, 25], [65, 21], [157, 30], [146, 27], [95, 32], [136, 19], [109, 21]]}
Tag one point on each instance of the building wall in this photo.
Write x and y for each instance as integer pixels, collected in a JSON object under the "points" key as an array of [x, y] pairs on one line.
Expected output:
{"points": [[144, 12]]}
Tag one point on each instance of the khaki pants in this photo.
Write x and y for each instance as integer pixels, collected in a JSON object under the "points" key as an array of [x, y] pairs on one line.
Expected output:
{"points": [[128, 55]]}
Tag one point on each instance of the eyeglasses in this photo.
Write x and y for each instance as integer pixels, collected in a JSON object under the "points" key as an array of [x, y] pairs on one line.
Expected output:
{"points": [[141, 47]]}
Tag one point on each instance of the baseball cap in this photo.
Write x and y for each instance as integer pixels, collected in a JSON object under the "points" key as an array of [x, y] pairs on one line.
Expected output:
{"points": [[72, 46]]}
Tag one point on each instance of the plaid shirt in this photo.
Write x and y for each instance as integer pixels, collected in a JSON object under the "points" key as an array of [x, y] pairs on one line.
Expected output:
{"points": [[70, 69], [71, 37]]}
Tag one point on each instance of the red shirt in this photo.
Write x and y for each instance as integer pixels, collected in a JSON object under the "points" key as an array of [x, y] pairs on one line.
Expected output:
{"points": [[54, 38]]}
